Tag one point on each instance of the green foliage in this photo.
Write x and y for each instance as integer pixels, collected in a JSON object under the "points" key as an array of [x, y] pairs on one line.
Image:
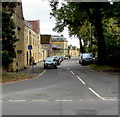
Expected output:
{"points": [[112, 37], [77, 15], [8, 33]]}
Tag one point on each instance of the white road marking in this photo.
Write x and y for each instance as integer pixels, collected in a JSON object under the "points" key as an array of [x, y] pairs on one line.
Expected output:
{"points": [[96, 93], [110, 99], [17, 100], [42, 73], [68, 68], [103, 98], [72, 72], [39, 100], [81, 80], [86, 100], [63, 100]]}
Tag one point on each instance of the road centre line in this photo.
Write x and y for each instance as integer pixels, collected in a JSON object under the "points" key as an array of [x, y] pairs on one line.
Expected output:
{"points": [[103, 98], [72, 72], [95, 93], [81, 80], [68, 68]]}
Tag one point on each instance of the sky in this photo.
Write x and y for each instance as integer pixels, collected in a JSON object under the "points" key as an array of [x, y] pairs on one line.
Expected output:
{"points": [[40, 10]]}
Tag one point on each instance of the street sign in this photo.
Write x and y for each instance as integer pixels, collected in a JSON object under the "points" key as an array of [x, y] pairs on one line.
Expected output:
{"points": [[29, 47]]}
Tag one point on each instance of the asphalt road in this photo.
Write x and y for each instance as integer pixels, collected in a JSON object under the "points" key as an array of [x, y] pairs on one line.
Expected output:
{"points": [[71, 89]]}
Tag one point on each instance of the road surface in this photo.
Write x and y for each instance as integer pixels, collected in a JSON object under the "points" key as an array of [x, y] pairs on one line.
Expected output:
{"points": [[71, 89]]}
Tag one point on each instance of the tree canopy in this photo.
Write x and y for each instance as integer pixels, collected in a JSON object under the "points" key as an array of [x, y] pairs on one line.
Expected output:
{"points": [[77, 15]]}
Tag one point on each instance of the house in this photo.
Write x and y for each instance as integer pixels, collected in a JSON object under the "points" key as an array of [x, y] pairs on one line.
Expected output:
{"points": [[18, 19], [73, 51], [46, 46], [31, 42], [59, 45], [28, 44]]}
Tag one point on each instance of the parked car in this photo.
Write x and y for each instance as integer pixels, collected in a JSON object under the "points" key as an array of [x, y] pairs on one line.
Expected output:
{"points": [[59, 59], [67, 57], [50, 62], [86, 58]]}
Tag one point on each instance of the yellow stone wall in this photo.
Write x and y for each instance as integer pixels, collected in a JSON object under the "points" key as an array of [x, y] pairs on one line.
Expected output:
{"points": [[26, 36], [18, 19], [31, 38], [74, 53], [61, 44]]}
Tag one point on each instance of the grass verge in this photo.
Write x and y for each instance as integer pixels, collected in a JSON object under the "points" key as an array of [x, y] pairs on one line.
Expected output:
{"points": [[104, 68], [9, 77]]}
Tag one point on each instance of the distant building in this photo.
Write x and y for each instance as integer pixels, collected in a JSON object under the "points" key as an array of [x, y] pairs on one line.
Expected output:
{"points": [[59, 45], [73, 51], [46, 46]]}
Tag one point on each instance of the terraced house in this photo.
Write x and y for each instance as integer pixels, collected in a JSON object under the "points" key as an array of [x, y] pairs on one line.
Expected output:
{"points": [[32, 41], [18, 19], [28, 44]]}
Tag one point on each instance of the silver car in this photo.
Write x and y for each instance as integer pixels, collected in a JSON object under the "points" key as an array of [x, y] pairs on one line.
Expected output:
{"points": [[86, 58], [50, 63]]}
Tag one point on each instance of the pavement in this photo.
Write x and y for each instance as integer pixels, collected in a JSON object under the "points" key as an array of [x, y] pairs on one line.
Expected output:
{"points": [[33, 70]]}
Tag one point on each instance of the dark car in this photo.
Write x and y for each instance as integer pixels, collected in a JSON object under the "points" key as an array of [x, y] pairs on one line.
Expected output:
{"points": [[67, 57], [50, 63], [86, 58], [59, 59]]}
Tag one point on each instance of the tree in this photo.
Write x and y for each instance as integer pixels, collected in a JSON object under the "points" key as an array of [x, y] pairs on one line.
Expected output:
{"points": [[74, 15], [8, 33]]}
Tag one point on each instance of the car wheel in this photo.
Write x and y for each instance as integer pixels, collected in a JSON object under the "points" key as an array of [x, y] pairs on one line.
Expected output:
{"points": [[84, 63], [56, 67]]}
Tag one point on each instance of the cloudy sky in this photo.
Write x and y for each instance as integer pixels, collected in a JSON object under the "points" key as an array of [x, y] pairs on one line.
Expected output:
{"points": [[40, 10]]}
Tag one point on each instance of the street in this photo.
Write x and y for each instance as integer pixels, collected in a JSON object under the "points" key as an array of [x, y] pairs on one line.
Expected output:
{"points": [[71, 89]]}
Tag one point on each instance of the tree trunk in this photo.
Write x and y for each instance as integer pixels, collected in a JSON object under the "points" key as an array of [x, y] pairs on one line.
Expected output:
{"points": [[80, 41], [100, 37]]}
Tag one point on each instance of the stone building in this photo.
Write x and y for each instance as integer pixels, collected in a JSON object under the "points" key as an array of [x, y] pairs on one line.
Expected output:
{"points": [[18, 19], [28, 35], [59, 45], [73, 51], [31, 43], [46, 46]]}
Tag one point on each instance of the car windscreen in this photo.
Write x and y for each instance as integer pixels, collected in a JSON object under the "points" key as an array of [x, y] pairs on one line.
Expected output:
{"points": [[87, 55], [49, 59]]}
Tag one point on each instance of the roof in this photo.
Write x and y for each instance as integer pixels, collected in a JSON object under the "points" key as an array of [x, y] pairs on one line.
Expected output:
{"points": [[58, 38], [45, 39], [72, 47], [28, 24]]}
